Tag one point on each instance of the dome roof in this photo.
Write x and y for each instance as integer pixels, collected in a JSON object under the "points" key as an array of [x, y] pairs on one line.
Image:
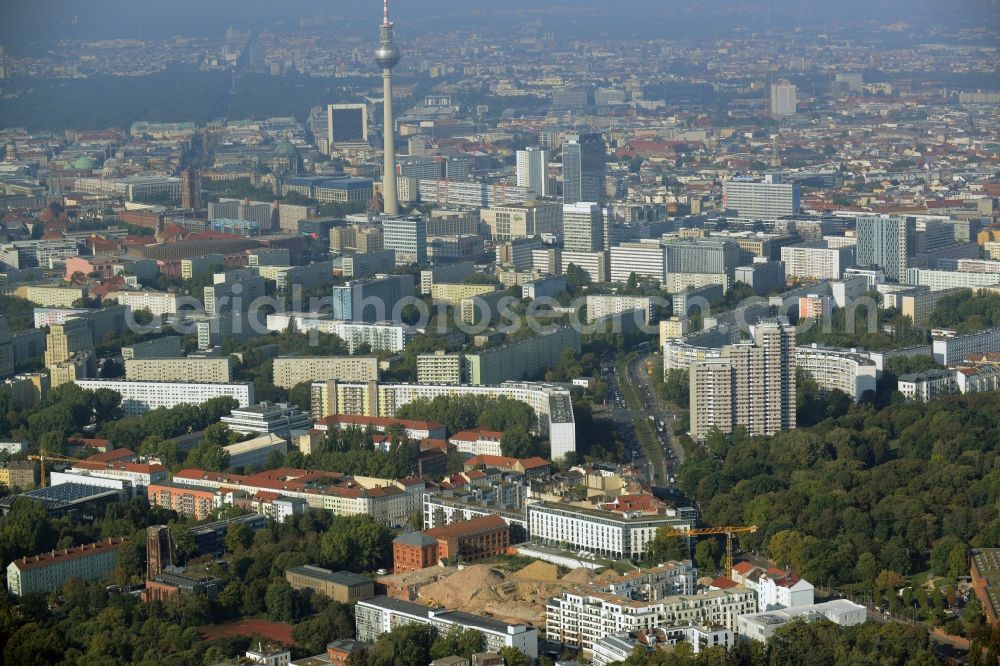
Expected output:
{"points": [[286, 149], [85, 164]]}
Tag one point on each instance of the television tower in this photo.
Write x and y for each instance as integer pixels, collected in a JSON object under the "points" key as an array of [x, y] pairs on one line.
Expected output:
{"points": [[387, 56]]}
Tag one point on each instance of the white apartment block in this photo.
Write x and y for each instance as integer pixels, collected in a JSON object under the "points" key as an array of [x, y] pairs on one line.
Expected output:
{"points": [[951, 350], [600, 306], [846, 370], [816, 261], [646, 260], [619, 535], [582, 619], [940, 280], [477, 442], [158, 303], [48, 572], [379, 615], [184, 369], [594, 264], [142, 396], [292, 370]]}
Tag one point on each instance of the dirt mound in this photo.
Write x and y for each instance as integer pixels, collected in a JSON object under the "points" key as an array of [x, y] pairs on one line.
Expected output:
{"points": [[579, 576], [540, 571], [458, 589]]}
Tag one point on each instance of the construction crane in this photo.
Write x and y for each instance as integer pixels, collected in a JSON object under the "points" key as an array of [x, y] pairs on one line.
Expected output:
{"points": [[729, 531], [53, 457]]}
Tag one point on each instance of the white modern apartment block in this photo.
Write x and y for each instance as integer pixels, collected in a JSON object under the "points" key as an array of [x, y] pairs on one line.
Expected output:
{"points": [[381, 336], [141, 397], [762, 626], [846, 370], [951, 350], [600, 306], [816, 260], [158, 303], [254, 453], [646, 260], [379, 615], [267, 417], [941, 280], [784, 99], [582, 619], [47, 572], [182, 369], [477, 442], [551, 404], [619, 535], [618, 647], [594, 264], [292, 370]]}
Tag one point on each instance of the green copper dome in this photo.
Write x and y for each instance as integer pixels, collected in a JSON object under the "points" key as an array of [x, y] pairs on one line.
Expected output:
{"points": [[85, 164]]}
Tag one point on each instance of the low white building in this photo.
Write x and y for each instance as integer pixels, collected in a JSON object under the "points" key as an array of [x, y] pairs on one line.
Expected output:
{"points": [[762, 626], [255, 452]]}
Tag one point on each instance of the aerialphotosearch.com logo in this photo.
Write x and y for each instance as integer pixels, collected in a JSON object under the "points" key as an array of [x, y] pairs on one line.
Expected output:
{"points": [[232, 315]]}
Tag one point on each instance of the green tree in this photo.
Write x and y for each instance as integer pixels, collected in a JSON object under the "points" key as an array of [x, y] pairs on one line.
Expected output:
{"points": [[514, 657], [517, 444], [706, 555]]}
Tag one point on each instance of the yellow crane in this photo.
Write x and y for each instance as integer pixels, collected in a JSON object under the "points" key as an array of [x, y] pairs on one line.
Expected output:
{"points": [[729, 531], [44, 456]]}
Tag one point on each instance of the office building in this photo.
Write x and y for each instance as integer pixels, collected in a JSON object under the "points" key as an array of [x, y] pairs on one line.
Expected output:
{"points": [[345, 190], [234, 291], [762, 626], [533, 170], [376, 616], [584, 158], [761, 200], [784, 99], [593, 264], [527, 220], [583, 227], [255, 453], [468, 194], [407, 236], [139, 397], [750, 384], [937, 280], [267, 418], [376, 299], [452, 294], [346, 124], [547, 287], [887, 242], [462, 542], [384, 336], [646, 260], [517, 252], [763, 277], [292, 370], [183, 369], [48, 572], [342, 586], [815, 260], [621, 535], [158, 303], [169, 346]]}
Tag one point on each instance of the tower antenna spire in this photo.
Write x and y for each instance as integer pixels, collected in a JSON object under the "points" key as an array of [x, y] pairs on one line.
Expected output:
{"points": [[385, 12]]}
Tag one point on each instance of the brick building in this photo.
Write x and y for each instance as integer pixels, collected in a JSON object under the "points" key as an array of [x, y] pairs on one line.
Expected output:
{"points": [[466, 541]]}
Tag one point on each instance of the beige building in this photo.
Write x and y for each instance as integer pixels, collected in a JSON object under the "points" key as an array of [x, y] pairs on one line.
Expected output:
{"points": [[358, 238], [51, 296], [751, 385], [476, 309], [333, 397], [674, 328], [158, 303], [452, 294], [440, 368], [69, 349], [27, 390], [342, 586], [292, 370], [504, 223], [47, 572], [21, 474], [183, 369]]}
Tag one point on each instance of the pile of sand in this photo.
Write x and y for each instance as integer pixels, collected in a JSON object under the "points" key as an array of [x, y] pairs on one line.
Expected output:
{"points": [[538, 571], [580, 576], [458, 589]]}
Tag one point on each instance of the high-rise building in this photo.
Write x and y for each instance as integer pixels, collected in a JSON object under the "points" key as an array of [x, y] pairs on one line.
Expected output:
{"points": [[159, 550], [584, 158], [504, 223], [764, 201], [583, 227], [190, 189], [750, 385], [3, 64], [346, 124], [532, 170], [783, 99], [387, 56], [886, 241], [407, 236], [373, 300]]}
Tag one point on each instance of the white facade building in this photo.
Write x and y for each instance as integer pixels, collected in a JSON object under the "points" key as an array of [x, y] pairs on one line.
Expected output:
{"points": [[140, 397], [762, 626], [816, 261], [849, 371]]}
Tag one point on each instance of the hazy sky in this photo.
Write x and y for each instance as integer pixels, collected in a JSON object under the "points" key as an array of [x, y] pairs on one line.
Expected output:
{"points": [[39, 21]]}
